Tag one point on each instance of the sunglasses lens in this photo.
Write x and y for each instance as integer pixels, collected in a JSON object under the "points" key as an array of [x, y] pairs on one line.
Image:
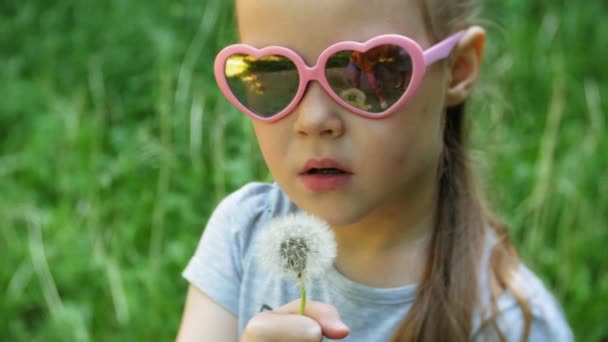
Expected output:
{"points": [[373, 80], [264, 85]]}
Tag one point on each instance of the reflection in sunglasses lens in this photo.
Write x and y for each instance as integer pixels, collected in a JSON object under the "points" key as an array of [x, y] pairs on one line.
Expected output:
{"points": [[266, 85], [372, 80]]}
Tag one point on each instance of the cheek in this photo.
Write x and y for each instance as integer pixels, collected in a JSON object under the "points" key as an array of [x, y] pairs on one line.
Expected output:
{"points": [[272, 143], [413, 140]]}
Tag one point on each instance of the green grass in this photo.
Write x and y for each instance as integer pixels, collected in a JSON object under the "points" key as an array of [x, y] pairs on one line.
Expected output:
{"points": [[115, 146]]}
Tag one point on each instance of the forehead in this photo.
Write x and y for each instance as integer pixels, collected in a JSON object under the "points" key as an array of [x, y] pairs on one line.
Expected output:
{"points": [[310, 26]]}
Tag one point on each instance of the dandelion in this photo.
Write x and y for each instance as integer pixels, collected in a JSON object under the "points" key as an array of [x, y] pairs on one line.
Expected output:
{"points": [[356, 98], [300, 246]]}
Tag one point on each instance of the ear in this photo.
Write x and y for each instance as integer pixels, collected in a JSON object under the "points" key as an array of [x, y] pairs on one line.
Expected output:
{"points": [[465, 63]]}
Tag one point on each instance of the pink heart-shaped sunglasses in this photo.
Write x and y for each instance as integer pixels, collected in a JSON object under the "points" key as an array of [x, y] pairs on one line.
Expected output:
{"points": [[372, 79]]}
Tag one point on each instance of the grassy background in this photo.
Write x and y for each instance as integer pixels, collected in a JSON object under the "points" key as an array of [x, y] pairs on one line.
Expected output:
{"points": [[115, 147]]}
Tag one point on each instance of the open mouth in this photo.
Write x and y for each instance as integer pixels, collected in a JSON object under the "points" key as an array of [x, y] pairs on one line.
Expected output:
{"points": [[324, 167], [322, 175], [328, 171]]}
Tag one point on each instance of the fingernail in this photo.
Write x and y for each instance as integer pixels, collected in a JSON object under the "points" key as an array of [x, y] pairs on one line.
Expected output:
{"points": [[341, 326]]}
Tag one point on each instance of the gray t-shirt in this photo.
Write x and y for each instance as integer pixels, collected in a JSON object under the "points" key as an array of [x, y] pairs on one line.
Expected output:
{"points": [[225, 268]]}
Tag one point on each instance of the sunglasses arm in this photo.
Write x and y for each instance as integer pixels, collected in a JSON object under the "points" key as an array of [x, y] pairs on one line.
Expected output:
{"points": [[442, 49]]}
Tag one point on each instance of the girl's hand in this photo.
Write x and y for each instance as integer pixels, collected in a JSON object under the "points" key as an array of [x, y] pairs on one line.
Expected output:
{"points": [[286, 325]]}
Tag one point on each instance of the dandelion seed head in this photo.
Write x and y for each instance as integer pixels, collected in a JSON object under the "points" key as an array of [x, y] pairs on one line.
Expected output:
{"points": [[296, 245]]}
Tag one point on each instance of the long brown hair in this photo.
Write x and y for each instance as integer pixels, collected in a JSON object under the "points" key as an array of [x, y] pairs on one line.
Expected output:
{"points": [[449, 292]]}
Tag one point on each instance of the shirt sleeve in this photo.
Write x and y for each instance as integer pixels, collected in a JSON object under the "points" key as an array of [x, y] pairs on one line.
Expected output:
{"points": [[216, 266]]}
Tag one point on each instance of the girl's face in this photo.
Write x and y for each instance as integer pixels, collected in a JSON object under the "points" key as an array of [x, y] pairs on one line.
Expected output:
{"points": [[391, 162]]}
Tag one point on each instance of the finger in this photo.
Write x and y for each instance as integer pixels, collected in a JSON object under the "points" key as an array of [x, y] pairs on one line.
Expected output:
{"points": [[272, 326], [325, 315]]}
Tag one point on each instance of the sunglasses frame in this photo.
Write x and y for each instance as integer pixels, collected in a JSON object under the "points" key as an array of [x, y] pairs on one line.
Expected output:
{"points": [[421, 59]]}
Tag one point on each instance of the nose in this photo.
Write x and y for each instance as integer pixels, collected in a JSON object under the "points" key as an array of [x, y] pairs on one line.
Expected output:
{"points": [[316, 114]]}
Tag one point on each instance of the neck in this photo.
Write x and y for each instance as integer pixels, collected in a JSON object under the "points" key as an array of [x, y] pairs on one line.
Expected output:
{"points": [[388, 247], [391, 230]]}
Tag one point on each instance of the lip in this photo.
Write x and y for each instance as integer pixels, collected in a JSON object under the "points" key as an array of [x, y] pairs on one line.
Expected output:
{"points": [[325, 182], [324, 163]]}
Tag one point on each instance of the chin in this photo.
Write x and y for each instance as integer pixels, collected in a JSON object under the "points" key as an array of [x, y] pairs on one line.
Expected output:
{"points": [[335, 216], [337, 211]]}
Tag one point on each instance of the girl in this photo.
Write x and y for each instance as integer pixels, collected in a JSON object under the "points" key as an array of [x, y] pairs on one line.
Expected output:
{"points": [[420, 258]]}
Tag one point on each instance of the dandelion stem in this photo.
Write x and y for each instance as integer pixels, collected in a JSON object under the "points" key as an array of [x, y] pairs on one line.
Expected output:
{"points": [[302, 294]]}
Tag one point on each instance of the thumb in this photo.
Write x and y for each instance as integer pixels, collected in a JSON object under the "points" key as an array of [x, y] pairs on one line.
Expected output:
{"points": [[325, 315]]}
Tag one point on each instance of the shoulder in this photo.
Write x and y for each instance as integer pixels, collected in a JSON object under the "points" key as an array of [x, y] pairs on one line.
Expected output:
{"points": [[217, 266], [252, 201], [251, 198], [548, 319], [241, 214], [548, 322]]}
